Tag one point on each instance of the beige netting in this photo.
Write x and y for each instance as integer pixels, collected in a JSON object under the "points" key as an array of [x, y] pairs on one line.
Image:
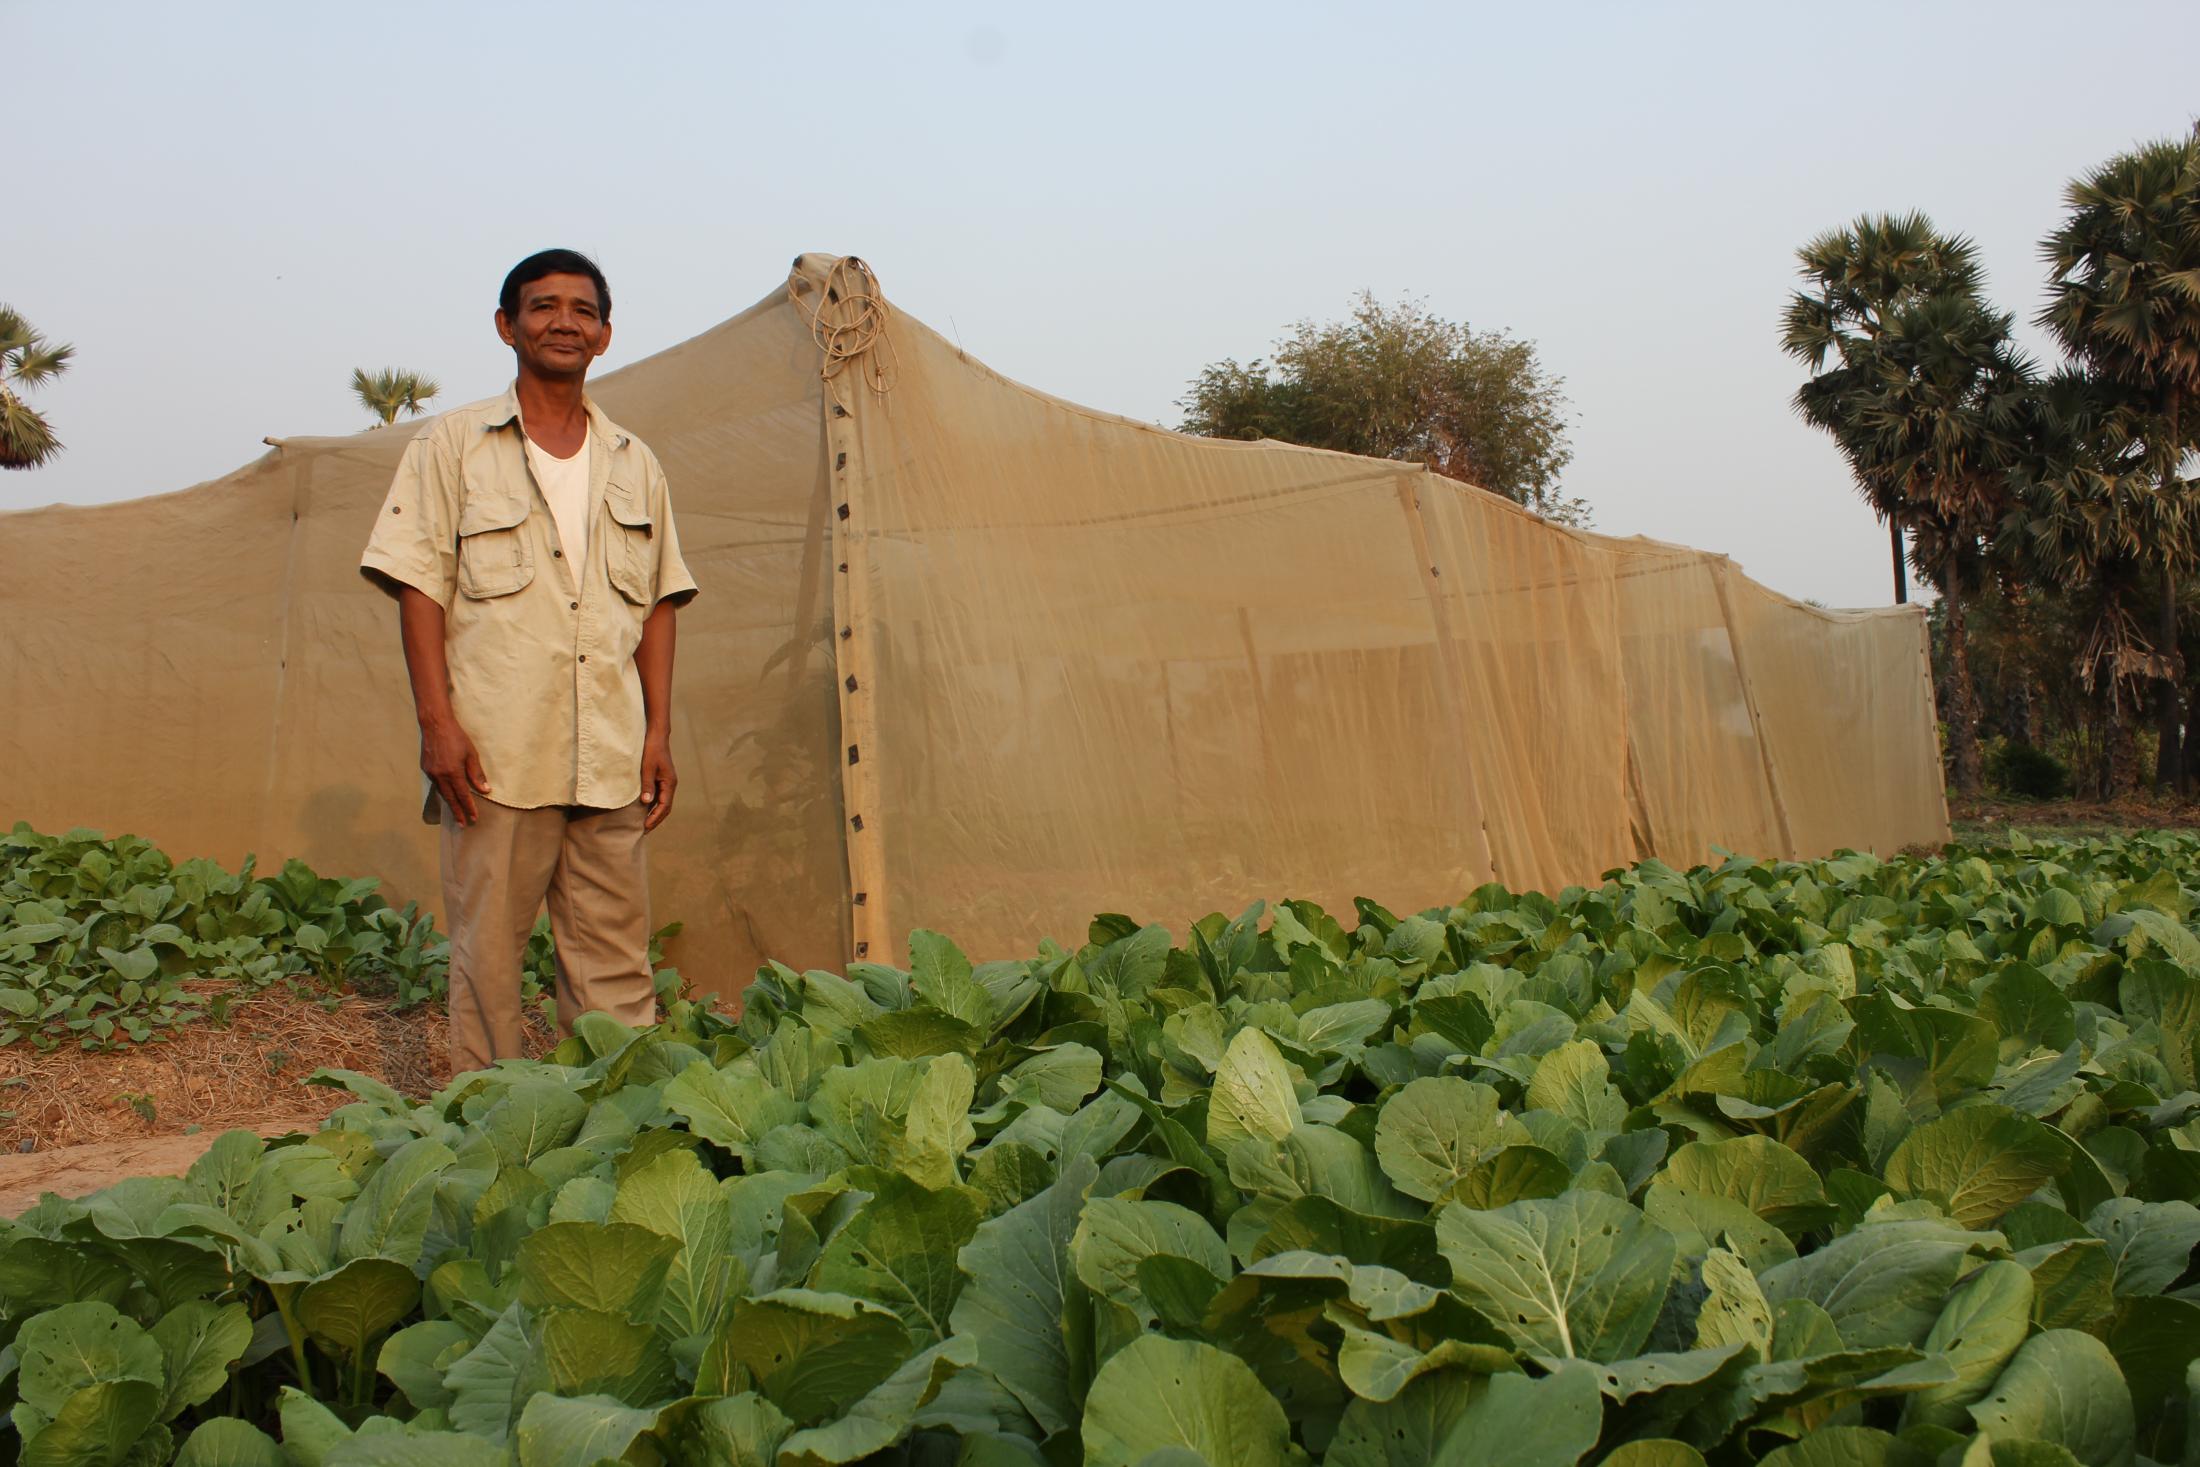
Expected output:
{"points": [[1852, 756], [1699, 764], [973, 658]]}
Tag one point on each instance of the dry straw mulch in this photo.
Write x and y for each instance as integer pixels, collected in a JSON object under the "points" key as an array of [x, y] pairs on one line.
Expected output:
{"points": [[248, 1072]]}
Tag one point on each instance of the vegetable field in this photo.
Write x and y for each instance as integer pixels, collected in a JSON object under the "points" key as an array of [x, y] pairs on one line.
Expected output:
{"points": [[1848, 1162], [109, 942]]}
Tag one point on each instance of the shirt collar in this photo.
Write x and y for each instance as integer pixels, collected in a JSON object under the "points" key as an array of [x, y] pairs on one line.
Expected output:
{"points": [[505, 411]]}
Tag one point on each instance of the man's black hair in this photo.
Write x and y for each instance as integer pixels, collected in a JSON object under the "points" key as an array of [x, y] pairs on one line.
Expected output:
{"points": [[552, 262]]}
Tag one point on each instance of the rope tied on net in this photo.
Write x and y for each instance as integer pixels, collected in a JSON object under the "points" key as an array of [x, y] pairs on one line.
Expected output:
{"points": [[848, 319]]}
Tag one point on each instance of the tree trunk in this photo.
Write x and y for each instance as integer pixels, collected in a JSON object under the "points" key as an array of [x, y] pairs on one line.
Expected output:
{"points": [[1962, 694], [2122, 762], [2088, 764], [2169, 705], [2169, 714], [1901, 572], [2191, 752]]}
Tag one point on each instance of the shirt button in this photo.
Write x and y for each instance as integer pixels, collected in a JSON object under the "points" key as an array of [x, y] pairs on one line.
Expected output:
{"points": [[584, 657], [572, 606], [558, 554], [397, 509]]}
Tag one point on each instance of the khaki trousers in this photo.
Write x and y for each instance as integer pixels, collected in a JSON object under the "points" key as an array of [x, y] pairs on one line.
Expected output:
{"points": [[591, 868]]}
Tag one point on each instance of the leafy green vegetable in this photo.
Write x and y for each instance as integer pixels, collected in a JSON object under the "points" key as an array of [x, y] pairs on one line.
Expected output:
{"points": [[1848, 1161], [108, 942]]}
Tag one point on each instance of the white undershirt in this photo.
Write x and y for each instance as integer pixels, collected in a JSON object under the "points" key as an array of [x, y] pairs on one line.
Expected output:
{"points": [[564, 484]]}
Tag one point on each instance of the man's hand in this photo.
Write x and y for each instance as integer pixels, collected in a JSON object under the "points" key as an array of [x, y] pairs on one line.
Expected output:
{"points": [[653, 660], [447, 757], [658, 780]]}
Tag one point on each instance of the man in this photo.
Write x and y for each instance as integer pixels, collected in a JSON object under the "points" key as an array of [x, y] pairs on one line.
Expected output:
{"points": [[529, 542]]}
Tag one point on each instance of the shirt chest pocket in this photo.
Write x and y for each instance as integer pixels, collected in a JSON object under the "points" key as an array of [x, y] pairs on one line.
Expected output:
{"points": [[496, 555], [630, 549]]}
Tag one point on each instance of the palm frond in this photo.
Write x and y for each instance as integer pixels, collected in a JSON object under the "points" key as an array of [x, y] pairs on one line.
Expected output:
{"points": [[26, 439], [392, 390], [2124, 267], [1915, 378], [39, 364], [26, 357]]}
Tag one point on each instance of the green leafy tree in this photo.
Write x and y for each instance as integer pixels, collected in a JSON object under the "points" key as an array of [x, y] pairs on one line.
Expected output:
{"points": [[391, 391], [1394, 381], [1917, 380], [2124, 300], [27, 361]]}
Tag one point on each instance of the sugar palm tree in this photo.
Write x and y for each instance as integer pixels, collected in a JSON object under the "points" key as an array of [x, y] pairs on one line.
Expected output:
{"points": [[392, 390], [2090, 517], [1942, 416], [27, 360], [2124, 300], [1858, 275], [1917, 380]]}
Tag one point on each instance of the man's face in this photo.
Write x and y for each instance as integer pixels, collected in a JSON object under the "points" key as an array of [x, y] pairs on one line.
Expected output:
{"points": [[560, 328]]}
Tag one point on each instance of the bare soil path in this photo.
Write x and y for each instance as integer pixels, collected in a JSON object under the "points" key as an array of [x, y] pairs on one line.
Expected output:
{"points": [[1991, 816], [74, 1171], [73, 1122]]}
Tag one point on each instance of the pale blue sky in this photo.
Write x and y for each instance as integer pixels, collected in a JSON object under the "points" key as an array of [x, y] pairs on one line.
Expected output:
{"points": [[237, 204]]}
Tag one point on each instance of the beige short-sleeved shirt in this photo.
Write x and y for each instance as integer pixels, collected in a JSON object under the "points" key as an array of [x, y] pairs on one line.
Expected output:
{"points": [[541, 651]]}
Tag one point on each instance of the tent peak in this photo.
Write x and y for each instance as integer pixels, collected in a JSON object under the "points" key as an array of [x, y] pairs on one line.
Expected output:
{"points": [[812, 268], [840, 297]]}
